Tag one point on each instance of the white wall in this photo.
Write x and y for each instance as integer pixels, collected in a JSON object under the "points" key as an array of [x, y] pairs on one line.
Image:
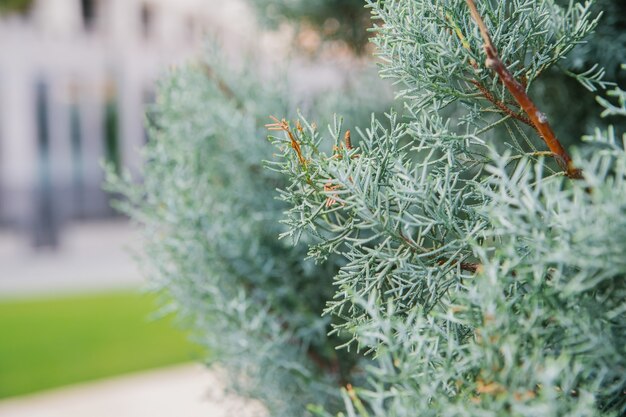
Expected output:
{"points": [[81, 68]]}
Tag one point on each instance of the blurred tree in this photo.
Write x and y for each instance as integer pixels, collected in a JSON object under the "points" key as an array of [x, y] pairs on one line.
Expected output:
{"points": [[344, 20], [211, 222], [20, 6]]}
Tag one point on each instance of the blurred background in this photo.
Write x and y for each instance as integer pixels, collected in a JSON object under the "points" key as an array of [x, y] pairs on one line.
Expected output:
{"points": [[76, 78]]}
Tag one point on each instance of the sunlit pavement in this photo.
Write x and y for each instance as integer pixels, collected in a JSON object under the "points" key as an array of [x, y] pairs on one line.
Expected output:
{"points": [[188, 390]]}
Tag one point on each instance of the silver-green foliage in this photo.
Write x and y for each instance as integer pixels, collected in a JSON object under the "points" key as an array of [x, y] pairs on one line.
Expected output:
{"points": [[210, 221], [477, 281]]}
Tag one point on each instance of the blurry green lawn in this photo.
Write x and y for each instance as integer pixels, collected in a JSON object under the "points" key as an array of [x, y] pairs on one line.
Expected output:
{"points": [[49, 342]]}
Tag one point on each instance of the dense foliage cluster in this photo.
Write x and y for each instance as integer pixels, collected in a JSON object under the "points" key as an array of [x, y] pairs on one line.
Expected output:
{"points": [[211, 220], [449, 259]]}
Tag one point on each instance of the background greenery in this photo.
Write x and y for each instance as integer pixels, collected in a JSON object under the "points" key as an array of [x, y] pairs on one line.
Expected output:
{"points": [[335, 20], [50, 342], [14, 5]]}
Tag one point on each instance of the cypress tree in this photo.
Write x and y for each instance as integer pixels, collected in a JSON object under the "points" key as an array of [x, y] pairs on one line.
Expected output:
{"points": [[454, 256]]}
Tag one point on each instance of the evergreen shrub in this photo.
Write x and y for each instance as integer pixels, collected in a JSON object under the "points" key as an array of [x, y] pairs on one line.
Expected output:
{"points": [[449, 259], [210, 220]]}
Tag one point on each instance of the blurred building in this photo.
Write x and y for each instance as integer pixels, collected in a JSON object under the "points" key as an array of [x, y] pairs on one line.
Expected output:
{"points": [[75, 76]]}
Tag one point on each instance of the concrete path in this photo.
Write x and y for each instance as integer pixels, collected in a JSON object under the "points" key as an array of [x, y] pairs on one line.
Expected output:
{"points": [[181, 391]]}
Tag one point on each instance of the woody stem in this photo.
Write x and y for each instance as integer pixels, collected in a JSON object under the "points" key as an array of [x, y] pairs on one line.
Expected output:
{"points": [[517, 90]]}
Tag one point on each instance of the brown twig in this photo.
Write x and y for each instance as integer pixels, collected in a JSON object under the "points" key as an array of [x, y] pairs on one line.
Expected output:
{"points": [[501, 105], [486, 93], [283, 125], [518, 91], [347, 139]]}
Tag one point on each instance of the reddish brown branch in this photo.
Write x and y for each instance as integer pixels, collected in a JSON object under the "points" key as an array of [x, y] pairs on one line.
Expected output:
{"points": [[500, 105], [517, 90]]}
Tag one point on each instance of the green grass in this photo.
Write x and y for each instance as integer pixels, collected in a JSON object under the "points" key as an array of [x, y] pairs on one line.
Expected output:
{"points": [[50, 342]]}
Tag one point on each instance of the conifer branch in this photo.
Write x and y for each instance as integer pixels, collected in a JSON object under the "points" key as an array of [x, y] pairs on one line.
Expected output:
{"points": [[518, 91], [501, 105]]}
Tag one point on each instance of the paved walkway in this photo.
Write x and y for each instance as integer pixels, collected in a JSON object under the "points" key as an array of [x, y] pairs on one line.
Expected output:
{"points": [[181, 391]]}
